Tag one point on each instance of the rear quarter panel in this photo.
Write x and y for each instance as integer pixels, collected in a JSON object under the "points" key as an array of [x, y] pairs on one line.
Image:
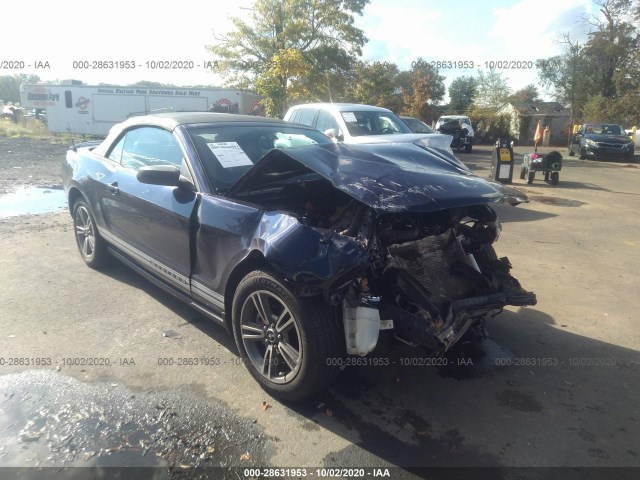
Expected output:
{"points": [[84, 172]]}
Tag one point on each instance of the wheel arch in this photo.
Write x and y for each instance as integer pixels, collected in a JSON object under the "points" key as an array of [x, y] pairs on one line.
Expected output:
{"points": [[73, 196], [254, 261]]}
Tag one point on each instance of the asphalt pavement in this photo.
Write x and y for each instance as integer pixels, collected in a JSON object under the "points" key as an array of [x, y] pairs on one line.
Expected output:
{"points": [[102, 369]]}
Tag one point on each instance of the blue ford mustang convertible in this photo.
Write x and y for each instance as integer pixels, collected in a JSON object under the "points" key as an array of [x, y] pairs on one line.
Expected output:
{"points": [[307, 250]]}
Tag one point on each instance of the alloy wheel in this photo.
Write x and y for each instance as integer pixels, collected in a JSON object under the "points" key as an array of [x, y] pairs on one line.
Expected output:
{"points": [[271, 337], [85, 232]]}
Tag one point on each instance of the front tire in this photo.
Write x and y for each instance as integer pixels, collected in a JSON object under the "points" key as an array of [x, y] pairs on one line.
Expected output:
{"points": [[555, 178], [290, 345], [91, 245]]}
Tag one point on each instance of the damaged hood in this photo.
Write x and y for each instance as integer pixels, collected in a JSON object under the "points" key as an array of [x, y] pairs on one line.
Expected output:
{"points": [[389, 177]]}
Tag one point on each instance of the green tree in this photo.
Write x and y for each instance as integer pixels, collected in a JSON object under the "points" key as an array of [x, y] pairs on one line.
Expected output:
{"points": [[275, 26], [288, 64], [612, 42], [490, 125], [374, 83], [10, 86], [568, 74], [527, 94], [9, 89], [600, 78], [492, 90], [420, 86], [462, 92], [330, 75]]}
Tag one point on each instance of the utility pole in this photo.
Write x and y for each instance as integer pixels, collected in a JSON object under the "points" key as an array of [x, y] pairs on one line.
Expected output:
{"points": [[574, 53]]}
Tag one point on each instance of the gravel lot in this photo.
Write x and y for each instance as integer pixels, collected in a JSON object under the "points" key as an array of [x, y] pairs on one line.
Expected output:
{"points": [[556, 385], [27, 161]]}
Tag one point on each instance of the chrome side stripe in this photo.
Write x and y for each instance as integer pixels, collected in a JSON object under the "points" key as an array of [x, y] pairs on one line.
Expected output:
{"points": [[156, 267], [208, 294], [163, 271]]}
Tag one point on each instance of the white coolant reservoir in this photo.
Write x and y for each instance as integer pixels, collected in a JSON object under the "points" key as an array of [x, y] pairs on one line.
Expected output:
{"points": [[361, 327]]}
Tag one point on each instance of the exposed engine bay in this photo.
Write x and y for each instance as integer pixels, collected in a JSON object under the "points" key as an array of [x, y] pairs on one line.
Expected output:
{"points": [[434, 275]]}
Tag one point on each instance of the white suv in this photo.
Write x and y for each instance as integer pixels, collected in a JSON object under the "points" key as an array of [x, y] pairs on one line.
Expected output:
{"points": [[355, 123]]}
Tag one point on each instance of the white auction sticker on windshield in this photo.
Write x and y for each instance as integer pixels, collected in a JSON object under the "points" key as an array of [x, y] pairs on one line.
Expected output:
{"points": [[229, 154], [349, 117]]}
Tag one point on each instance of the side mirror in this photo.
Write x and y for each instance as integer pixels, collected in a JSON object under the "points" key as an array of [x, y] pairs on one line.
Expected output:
{"points": [[166, 175]]}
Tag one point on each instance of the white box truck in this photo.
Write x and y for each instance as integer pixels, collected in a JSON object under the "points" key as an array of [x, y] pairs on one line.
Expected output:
{"points": [[93, 110]]}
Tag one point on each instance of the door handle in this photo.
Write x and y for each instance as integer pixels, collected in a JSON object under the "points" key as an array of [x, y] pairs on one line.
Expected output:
{"points": [[113, 188]]}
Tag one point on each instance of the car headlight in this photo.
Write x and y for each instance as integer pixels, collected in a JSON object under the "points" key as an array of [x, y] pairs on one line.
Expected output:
{"points": [[591, 143]]}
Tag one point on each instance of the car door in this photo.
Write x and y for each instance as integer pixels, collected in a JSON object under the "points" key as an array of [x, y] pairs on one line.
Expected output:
{"points": [[224, 226], [150, 223]]}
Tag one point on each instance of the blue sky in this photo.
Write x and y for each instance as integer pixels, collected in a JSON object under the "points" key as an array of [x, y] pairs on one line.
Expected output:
{"points": [[399, 31]]}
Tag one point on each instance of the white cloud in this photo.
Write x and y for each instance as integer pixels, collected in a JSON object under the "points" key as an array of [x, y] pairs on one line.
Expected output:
{"points": [[398, 31], [529, 29], [404, 30]]}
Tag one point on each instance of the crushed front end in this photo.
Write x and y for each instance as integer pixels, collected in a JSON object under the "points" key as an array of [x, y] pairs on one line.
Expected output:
{"points": [[423, 226], [433, 276]]}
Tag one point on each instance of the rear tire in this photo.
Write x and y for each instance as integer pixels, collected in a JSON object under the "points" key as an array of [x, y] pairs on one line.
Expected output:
{"points": [[583, 154], [571, 153], [523, 173], [555, 178], [91, 245], [290, 345]]}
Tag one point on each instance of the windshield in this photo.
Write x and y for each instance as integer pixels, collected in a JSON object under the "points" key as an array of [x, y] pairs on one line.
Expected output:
{"points": [[228, 152], [374, 123], [604, 129], [457, 120], [417, 126]]}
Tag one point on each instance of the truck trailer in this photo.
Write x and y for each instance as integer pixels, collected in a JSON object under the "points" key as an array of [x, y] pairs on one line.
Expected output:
{"points": [[93, 110]]}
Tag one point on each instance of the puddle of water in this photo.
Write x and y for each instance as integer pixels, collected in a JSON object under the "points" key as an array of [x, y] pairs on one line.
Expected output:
{"points": [[49, 420], [32, 201]]}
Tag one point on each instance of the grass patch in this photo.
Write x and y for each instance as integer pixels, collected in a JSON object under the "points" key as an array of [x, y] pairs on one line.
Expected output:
{"points": [[13, 130], [33, 129]]}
